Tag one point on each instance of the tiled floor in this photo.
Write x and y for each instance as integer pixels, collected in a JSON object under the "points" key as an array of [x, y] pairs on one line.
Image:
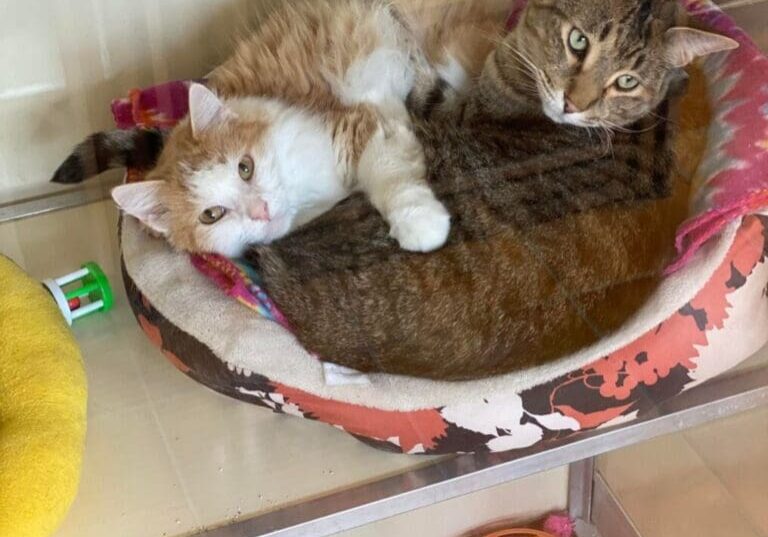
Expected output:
{"points": [[708, 482]]}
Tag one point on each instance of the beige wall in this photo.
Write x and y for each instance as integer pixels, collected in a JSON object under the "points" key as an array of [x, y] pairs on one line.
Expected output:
{"points": [[62, 61]]}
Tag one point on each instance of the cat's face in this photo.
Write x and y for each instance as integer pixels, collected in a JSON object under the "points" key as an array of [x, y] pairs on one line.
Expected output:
{"points": [[216, 188], [602, 63]]}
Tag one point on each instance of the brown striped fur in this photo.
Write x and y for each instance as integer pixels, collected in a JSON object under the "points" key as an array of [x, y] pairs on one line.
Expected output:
{"points": [[558, 235], [556, 240]]}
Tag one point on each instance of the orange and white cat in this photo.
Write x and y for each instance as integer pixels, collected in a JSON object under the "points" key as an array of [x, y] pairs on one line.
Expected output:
{"points": [[310, 108]]}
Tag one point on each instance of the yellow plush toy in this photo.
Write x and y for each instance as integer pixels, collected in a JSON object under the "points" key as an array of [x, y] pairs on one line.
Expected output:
{"points": [[42, 408]]}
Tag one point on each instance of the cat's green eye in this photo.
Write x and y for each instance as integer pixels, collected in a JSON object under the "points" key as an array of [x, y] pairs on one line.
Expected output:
{"points": [[627, 82], [245, 168], [212, 215], [578, 42]]}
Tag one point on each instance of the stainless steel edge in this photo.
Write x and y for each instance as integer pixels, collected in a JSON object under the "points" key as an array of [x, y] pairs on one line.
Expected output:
{"points": [[36, 205], [457, 476], [581, 475], [608, 515]]}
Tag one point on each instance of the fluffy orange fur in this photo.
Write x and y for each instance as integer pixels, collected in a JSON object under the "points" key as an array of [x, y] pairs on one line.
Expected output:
{"points": [[301, 55]]}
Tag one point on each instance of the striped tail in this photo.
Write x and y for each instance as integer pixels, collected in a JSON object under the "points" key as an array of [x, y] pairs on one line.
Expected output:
{"points": [[135, 148]]}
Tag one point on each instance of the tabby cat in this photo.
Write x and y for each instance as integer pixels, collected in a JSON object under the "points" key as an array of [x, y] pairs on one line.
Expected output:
{"points": [[556, 237]]}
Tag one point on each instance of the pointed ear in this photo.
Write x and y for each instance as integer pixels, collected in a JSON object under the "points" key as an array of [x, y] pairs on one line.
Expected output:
{"points": [[143, 201], [205, 109], [683, 45]]}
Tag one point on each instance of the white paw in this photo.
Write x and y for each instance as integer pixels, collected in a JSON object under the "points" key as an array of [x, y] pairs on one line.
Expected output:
{"points": [[420, 228]]}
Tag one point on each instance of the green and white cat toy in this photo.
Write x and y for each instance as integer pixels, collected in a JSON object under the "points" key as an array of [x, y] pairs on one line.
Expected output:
{"points": [[93, 295]]}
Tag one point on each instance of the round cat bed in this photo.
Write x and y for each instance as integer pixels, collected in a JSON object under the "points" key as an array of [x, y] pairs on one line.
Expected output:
{"points": [[707, 315]]}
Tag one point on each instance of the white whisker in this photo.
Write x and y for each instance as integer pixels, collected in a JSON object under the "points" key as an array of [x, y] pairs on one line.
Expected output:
{"points": [[627, 130]]}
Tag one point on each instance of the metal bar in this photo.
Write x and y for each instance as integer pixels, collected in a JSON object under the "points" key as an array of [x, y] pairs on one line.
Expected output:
{"points": [[585, 529], [580, 477], [608, 515], [457, 476], [45, 203]]}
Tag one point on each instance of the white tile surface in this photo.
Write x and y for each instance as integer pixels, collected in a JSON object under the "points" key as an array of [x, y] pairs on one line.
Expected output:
{"points": [[254, 461], [670, 490], [129, 486], [28, 31], [736, 451]]}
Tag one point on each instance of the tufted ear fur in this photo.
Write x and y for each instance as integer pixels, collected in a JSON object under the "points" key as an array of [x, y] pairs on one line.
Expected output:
{"points": [[206, 110], [683, 45], [144, 201]]}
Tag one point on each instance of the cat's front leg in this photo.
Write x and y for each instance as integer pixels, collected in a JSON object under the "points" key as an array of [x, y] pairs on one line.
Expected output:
{"points": [[391, 171]]}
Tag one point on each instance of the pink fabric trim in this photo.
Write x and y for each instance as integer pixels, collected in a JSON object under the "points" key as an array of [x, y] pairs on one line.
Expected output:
{"points": [[736, 167], [695, 232]]}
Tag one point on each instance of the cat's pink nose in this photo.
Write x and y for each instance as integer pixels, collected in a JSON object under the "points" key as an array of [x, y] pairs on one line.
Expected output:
{"points": [[259, 210], [570, 108]]}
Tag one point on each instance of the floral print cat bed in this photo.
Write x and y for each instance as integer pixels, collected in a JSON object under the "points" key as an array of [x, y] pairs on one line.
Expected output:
{"points": [[210, 318]]}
